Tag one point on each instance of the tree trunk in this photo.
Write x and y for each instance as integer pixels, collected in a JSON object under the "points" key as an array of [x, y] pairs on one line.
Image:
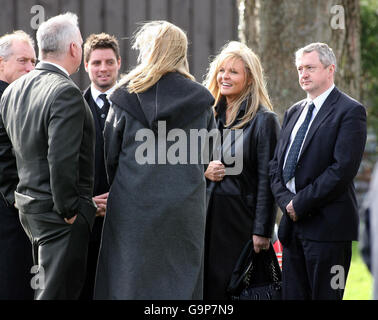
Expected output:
{"points": [[275, 29]]}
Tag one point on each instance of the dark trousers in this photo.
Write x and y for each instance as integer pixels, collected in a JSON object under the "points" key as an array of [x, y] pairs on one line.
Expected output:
{"points": [[60, 251], [314, 270], [15, 257], [93, 252]]}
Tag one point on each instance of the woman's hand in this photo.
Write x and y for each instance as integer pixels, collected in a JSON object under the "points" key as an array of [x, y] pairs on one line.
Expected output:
{"points": [[101, 201], [215, 171], [260, 243]]}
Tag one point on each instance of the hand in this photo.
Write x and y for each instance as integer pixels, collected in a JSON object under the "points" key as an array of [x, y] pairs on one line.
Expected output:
{"points": [[71, 220], [215, 171], [101, 201], [291, 212], [260, 243]]}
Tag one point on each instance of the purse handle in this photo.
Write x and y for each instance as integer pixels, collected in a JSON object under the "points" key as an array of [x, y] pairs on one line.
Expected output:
{"points": [[268, 255], [243, 269]]}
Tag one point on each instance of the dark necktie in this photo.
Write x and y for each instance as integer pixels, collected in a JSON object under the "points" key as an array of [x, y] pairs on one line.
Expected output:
{"points": [[104, 110], [292, 157]]}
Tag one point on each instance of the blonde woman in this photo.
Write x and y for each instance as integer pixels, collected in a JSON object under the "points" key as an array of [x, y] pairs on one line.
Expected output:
{"points": [[241, 206], [153, 236]]}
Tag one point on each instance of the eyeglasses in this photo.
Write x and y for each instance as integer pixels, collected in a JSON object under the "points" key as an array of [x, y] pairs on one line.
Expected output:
{"points": [[24, 61], [308, 69]]}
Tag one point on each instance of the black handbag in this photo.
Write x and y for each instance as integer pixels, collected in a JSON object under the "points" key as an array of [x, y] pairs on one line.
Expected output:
{"points": [[256, 276]]}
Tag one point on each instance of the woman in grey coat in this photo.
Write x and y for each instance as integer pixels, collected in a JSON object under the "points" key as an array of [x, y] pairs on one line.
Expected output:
{"points": [[153, 235]]}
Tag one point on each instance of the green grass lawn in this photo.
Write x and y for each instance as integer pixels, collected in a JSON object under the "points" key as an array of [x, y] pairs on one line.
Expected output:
{"points": [[359, 281]]}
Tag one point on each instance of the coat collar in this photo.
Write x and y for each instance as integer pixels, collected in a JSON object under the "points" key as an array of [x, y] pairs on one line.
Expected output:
{"points": [[174, 99], [50, 67], [221, 108], [327, 108], [87, 93], [3, 86]]}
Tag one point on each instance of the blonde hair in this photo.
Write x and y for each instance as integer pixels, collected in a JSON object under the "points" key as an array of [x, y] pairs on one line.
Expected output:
{"points": [[162, 48], [254, 92]]}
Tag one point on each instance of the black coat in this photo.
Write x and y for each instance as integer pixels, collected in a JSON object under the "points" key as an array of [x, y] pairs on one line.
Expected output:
{"points": [[240, 205], [8, 167], [153, 237], [325, 202], [15, 247]]}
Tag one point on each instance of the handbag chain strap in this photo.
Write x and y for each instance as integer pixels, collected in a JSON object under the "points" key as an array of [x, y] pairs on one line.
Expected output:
{"points": [[274, 272], [248, 276]]}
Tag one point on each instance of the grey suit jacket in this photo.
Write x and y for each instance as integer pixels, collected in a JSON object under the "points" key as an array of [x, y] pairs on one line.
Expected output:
{"points": [[52, 132]]}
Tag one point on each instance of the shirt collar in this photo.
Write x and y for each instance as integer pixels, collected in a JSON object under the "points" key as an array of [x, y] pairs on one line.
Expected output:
{"points": [[57, 66], [95, 92], [319, 100]]}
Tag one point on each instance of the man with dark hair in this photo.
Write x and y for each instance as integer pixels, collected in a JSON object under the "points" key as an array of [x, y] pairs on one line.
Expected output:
{"points": [[102, 62], [17, 57]]}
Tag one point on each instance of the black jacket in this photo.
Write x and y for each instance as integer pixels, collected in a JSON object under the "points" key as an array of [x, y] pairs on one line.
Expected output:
{"points": [[52, 133], [8, 168], [252, 184], [101, 184]]}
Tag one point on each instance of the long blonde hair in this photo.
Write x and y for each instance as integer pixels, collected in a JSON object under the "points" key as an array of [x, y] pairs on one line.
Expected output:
{"points": [[162, 48], [254, 92]]}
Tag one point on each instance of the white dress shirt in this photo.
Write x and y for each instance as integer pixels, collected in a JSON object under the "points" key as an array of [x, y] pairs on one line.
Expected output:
{"points": [[95, 95], [318, 102], [58, 66]]}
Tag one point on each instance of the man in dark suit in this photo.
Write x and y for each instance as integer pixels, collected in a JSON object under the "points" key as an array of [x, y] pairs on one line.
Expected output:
{"points": [[316, 159], [17, 57], [102, 61], [52, 133]]}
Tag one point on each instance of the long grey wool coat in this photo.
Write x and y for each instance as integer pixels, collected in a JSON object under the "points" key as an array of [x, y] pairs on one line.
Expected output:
{"points": [[153, 235]]}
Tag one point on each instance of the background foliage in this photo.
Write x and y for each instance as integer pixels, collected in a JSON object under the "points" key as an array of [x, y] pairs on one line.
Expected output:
{"points": [[369, 59]]}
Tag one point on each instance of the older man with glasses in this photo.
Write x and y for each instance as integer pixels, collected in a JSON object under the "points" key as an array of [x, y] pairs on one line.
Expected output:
{"points": [[317, 156], [17, 57]]}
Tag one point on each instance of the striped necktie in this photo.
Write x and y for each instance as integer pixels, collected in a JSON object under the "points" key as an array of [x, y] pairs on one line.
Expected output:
{"points": [[292, 158]]}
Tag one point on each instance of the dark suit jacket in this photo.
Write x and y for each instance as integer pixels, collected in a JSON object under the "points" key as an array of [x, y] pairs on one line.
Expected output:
{"points": [[8, 168], [52, 133], [101, 184], [325, 200], [100, 179], [16, 251]]}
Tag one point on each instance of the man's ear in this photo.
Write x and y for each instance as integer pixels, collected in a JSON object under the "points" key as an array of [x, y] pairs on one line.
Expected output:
{"points": [[2, 64], [332, 69], [86, 66], [73, 49]]}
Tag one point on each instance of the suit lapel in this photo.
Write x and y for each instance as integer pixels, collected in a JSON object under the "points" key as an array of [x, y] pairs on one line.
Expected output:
{"points": [[326, 109], [92, 105]]}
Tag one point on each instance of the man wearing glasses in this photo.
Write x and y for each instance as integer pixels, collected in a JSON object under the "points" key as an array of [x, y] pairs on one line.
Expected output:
{"points": [[17, 57], [316, 159]]}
